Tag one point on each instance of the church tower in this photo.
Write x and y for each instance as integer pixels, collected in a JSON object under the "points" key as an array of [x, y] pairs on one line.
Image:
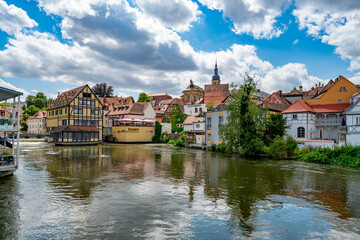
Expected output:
{"points": [[216, 78]]}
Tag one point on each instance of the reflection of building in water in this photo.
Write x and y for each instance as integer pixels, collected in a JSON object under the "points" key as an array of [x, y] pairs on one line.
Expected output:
{"points": [[133, 130]]}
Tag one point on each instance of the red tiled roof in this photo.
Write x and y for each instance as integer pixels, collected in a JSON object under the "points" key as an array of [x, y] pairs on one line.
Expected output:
{"points": [[302, 106], [115, 101], [326, 108], [299, 106], [134, 109], [68, 128], [65, 98], [275, 102], [39, 114], [158, 94], [189, 120], [216, 93]]}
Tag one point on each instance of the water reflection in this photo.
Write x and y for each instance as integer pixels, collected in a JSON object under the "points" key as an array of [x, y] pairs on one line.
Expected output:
{"points": [[157, 191]]}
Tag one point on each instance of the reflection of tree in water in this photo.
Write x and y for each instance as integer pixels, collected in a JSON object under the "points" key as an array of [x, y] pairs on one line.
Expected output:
{"points": [[242, 184], [75, 170], [9, 207]]}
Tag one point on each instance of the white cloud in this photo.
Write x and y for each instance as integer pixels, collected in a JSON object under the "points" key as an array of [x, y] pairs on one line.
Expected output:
{"points": [[287, 77], [296, 41], [336, 23], [178, 14], [10, 86], [255, 17], [13, 19]]}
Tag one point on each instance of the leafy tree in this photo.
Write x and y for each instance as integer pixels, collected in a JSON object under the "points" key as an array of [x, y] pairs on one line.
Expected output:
{"points": [[242, 133], [143, 97], [275, 126], [39, 103], [177, 117], [24, 126], [26, 116], [30, 100], [157, 135], [23, 107], [103, 90], [41, 95], [31, 110]]}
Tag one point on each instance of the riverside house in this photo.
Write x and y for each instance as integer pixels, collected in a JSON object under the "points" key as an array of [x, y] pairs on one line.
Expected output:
{"points": [[9, 128], [75, 117]]}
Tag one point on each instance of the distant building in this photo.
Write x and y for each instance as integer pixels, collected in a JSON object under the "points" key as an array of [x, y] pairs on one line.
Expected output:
{"points": [[157, 97], [75, 117], [192, 93], [133, 130], [274, 103], [215, 93], [37, 123], [139, 110], [112, 103]]}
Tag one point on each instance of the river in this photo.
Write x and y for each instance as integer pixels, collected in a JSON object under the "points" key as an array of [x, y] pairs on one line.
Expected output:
{"points": [[161, 192]]}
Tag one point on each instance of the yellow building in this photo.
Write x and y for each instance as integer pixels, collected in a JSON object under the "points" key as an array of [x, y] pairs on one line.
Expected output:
{"points": [[339, 92], [75, 117], [192, 93], [133, 130]]}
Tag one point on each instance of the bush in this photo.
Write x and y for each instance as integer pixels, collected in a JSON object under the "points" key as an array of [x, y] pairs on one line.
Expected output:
{"points": [[165, 138], [342, 156], [278, 149], [221, 148], [212, 148], [291, 145]]}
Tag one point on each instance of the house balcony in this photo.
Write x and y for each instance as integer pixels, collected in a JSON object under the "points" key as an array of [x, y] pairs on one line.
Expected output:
{"points": [[328, 122], [6, 125]]}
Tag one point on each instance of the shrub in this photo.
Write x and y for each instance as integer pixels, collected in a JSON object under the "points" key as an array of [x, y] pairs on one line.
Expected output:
{"points": [[165, 138], [291, 145], [278, 149], [212, 148], [221, 148]]}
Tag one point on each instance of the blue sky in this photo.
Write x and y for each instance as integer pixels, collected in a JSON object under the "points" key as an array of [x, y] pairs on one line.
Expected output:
{"points": [[158, 45]]}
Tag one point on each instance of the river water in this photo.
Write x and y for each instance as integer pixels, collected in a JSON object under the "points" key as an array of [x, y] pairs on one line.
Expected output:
{"points": [[162, 192]]}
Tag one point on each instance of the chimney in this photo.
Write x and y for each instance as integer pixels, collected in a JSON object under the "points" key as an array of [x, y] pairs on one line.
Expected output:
{"points": [[279, 93], [300, 89], [316, 86], [58, 93]]}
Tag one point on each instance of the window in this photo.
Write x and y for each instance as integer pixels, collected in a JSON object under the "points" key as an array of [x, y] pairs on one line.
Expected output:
{"points": [[65, 110], [301, 132], [294, 117], [80, 102], [92, 103], [56, 112], [88, 102], [60, 111], [94, 112], [63, 122], [344, 89], [87, 95], [339, 100], [221, 121], [76, 122], [194, 98], [197, 125], [78, 111], [196, 110], [357, 120], [208, 122]]}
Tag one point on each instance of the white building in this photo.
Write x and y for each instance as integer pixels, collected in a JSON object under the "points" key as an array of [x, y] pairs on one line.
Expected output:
{"points": [[37, 123], [353, 121], [194, 109], [321, 122]]}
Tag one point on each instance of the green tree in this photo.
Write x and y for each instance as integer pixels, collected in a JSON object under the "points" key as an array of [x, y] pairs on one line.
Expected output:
{"points": [[40, 103], [157, 136], [177, 117], [103, 90], [275, 126], [30, 100], [143, 97], [31, 110], [242, 133], [24, 126], [26, 116]]}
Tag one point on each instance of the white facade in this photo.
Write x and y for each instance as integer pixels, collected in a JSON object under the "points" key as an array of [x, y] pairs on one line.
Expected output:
{"points": [[353, 123], [149, 112], [194, 109], [188, 127], [301, 125], [36, 125], [166, 128], [213, 122], [319, 126]]}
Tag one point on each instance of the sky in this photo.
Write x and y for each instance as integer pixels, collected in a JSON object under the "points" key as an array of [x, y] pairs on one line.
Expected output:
{"points": [[159, 45]]}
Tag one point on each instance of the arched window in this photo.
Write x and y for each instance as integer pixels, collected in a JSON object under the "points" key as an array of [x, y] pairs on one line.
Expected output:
{"points": [[301, 132]]}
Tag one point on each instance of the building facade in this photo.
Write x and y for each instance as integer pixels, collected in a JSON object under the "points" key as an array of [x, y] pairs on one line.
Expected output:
{"points": [[353, 121], [193, 93], [214, 120], [75, 117], [37, 123]]}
